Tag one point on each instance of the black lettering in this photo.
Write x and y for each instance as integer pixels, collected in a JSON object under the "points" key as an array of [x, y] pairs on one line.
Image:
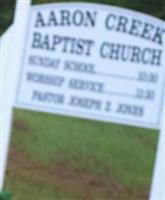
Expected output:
{"points": [[146, 56], [56, 81], [156, 57], [39, 21], [108, 106], [90, 19], [114, 51], [52, 21], [135, 54], [132, 110], [48, 97], [110, 21], [37, 40], [134, 30], [44, 61], [78, 18], [86, 103], [122, 24], [104, 53], [79, 67], [89, 45], [65, 18], [46, 42], [86, 85], [158, 37], [56, 41], [80, 47], [125, 53], [148, 29]]}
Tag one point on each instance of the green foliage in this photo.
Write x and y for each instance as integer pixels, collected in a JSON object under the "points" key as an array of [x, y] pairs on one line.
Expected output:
{"points": [[5, 196], [152, 7], [6, 14]]}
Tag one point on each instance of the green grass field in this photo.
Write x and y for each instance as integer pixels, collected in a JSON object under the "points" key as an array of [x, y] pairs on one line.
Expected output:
{"points": [[60, 158]]}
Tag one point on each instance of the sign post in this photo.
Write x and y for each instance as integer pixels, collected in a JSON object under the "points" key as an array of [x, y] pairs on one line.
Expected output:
{"points": [[158, 182], [11, 79], [5, 42]]}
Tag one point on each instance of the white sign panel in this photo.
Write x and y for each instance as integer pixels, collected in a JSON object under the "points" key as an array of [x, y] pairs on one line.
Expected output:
{"points": [[92, 61]]}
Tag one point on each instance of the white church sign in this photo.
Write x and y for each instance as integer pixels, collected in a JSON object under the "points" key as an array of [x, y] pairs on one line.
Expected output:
{"points": [[91, 61]]}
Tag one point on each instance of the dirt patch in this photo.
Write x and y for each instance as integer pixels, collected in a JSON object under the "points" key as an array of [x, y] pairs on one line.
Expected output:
{"points": [[20, 125], [74, 181], [145, 141]]}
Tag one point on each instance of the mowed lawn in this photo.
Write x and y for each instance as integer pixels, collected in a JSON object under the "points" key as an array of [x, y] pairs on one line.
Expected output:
{"points": [[54, 157]]}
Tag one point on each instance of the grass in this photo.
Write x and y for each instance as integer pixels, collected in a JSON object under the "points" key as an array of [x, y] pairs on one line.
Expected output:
{"points": [[121, 154], [24, 188]]}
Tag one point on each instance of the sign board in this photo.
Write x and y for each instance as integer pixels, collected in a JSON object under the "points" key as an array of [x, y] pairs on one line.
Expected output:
{"points": [[93, 61]]}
